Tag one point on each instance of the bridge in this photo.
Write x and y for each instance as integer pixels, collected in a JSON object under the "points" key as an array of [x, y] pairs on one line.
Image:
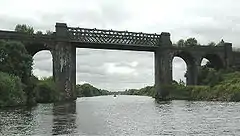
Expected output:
{"points": [[63, 43]]}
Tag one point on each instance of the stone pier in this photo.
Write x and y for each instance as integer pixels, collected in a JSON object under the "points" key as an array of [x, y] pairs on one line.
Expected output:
{"points": [[64, 63]]}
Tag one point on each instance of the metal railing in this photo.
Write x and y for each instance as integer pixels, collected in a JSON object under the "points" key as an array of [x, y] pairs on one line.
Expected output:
{"points": [[112, 37]]}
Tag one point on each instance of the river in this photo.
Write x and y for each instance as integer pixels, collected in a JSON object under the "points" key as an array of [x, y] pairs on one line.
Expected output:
{"points": [[123, 115]]}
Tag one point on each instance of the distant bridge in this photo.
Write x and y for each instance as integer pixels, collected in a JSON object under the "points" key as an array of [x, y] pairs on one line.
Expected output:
{"points": [[64, 41]]}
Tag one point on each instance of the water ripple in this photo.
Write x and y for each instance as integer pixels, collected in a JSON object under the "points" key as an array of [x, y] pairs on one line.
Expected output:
{"points": [[123, 115]]}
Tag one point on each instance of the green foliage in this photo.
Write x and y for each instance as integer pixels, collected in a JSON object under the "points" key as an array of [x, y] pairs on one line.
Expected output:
{"points": [[177, 91], [15, 59], [191, 42], [46, 91], [29, 89], [180, 43], [87, 90], [39, 33], [224, 87], [212, 44], [146, 91], [187, 43], [23, 28], [215, 85], [48, 32], [11, 90], [209, 76]]}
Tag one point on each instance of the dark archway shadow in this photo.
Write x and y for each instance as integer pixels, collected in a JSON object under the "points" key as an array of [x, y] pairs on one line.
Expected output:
{"points": [[214, 61], [64, 118], [34, 48]]}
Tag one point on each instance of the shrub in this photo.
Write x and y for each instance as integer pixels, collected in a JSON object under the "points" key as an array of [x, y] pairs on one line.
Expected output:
{"points": [[46, 91], [11, 90]]}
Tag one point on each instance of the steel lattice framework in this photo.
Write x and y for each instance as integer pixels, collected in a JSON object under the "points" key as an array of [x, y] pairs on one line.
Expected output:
{"points": [[99, 36]]}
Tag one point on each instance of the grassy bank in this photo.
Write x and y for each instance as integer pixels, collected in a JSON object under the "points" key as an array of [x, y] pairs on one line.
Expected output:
{"points": [[226, 89]]}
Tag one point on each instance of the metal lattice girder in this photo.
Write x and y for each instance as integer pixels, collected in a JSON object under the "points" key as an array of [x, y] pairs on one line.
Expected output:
{"points": [[112, 37]]}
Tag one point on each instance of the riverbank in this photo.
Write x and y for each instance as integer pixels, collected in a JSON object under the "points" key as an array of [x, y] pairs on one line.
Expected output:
{"points": [[13, 93], [226, 89]]}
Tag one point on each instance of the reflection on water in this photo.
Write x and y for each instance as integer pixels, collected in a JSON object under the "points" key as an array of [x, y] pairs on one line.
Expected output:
{"points": [[64, 118], [123, 115]]}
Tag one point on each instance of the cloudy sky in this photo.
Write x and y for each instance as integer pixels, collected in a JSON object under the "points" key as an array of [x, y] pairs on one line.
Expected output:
{"points": [[118, 70]]}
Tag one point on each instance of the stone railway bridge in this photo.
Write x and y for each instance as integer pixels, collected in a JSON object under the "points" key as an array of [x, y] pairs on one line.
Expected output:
{"points": [[64, 41]]}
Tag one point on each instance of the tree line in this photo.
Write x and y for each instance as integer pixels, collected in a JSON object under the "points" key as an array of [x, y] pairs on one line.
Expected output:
{"points": [[190, 42], [23, 28]]}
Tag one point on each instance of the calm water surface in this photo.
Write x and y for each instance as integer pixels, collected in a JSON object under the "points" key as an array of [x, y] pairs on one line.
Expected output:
{"points": [[123, 115]]}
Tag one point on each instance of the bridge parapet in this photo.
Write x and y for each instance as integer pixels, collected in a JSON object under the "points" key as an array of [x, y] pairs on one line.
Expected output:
{"points": [[12, 35]]}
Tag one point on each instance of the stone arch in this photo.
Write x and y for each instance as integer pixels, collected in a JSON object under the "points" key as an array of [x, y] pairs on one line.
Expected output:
{"points": [[191, 74], [215, 60], [34, 48], [187, 57]]}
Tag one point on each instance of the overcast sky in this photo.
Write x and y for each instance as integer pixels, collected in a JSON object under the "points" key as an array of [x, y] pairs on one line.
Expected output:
{"points": [[206, 20]]}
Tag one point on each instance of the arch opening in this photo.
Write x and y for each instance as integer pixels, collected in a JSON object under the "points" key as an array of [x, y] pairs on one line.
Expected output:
{"points": [[179, 69], [212, 61], [187, 71], [114, 70], [207, 73], [42, 64]]}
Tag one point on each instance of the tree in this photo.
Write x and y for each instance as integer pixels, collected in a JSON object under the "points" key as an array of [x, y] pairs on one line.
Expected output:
{"points": [[87, 90], [180, 43], [39, 33], [191, 42], [11, 90], [46, 91], [181, 82], [48, 32], [15, 59], [208, 75], [24, 29], [212, 44], [209, 65]]}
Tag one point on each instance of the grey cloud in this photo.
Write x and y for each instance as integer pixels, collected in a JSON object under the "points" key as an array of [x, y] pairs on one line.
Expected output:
{"points": [[107, 15], [91, 70], [44, 66], [9, 23], [45, 22], [42, 56], [43, 61]]}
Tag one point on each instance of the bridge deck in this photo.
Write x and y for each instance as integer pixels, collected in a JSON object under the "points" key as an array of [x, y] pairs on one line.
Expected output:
{"points": [[105, 39], [100, 36], [111, 46]]}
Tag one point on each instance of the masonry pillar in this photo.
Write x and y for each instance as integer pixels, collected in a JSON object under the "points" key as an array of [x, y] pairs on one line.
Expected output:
{"points": [[163, 66], [228, 55], [64, 64], [192, 73]]}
